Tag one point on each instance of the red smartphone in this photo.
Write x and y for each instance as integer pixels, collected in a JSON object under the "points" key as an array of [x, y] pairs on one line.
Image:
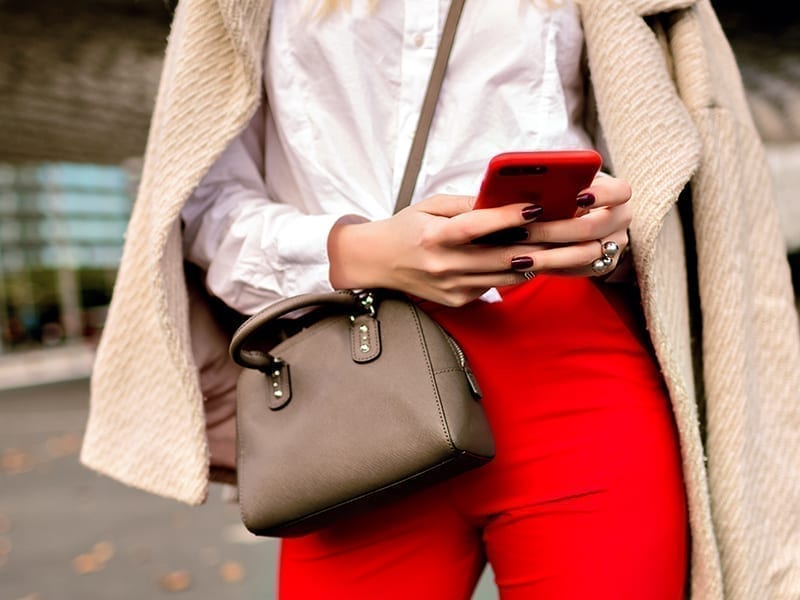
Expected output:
{"points": [[552, 179]]}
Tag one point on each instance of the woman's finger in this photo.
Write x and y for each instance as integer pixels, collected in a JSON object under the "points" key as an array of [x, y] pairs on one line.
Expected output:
{"points": [[597, 223], [575, 259], [475, 225], [457, 291], [607, 191]]}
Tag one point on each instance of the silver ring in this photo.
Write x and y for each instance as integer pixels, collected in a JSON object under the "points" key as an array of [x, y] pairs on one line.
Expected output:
{"points": [[610, 248], [528, 275], [600, 265]]}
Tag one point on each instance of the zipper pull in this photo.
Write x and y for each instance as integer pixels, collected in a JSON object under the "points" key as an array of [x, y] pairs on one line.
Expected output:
{"points": [[474, 388], [472, 381]]}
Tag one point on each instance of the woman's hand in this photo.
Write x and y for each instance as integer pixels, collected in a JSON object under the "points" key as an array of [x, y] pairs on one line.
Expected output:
{"points": [[571, 246], [428, 249]]}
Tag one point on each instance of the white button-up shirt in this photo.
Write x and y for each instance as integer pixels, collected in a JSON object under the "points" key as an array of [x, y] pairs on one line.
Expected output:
{"points": [[344, 95]]}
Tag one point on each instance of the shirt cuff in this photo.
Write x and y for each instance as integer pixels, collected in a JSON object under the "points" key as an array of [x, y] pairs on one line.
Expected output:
{"points": [[290, 261]]}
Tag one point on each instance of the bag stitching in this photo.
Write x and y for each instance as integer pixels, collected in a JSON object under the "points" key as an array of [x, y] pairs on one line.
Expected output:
{"points": [[432, 375]]}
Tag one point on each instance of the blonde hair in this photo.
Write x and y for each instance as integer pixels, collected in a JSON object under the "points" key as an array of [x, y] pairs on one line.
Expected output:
{"points": [[327, 7]]}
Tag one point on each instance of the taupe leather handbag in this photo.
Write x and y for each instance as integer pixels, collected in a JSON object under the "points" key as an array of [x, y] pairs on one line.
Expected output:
{"points": [[369, 398], [349, 397]]}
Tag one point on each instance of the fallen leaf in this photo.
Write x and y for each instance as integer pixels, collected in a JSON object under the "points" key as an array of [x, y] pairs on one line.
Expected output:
{"points": [[83, 564], [95, 560], [63, 445], [71, 443], [53, 447], [103, 551], [16, 461], [176, 581], [231, 572]]}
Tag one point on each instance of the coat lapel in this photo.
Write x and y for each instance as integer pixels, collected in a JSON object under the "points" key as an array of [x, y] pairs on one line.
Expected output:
{"points": [[651, 138], [654, 143]]}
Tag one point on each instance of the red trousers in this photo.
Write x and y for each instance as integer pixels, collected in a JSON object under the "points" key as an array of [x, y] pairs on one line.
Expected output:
{"points": [[585, 497]]}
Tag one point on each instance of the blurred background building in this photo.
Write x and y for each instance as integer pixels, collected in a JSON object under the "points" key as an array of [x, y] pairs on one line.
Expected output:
{"points": [[77, 84], [61, 229]]}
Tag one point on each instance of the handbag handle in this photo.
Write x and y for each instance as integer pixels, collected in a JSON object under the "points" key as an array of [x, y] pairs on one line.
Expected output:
{"points": [[259, 359]]}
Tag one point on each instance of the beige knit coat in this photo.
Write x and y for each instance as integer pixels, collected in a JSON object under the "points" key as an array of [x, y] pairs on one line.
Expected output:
{"points": [[673, 113]]}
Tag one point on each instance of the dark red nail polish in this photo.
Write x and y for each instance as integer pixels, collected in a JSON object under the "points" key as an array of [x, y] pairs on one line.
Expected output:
{"points": [[585, 200], [520, 263], [529, 213]]}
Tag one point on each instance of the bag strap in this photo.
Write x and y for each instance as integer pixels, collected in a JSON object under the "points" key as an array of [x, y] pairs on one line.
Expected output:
{"points": [[414, 161]]}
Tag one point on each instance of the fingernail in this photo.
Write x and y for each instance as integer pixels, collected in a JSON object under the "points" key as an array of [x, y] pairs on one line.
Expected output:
{"points": [[520, 263], [585, 200], [503, 237], [529, 213]]}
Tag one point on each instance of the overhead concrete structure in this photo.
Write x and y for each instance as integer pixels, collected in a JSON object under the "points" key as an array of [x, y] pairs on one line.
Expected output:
{"points": [[78, 79]]}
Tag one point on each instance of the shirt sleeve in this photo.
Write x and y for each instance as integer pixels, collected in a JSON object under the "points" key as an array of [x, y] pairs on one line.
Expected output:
{"points": [[254, 250]]}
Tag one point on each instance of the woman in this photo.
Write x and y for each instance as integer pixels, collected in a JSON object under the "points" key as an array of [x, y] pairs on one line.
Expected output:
{"points": [[602, 430]]}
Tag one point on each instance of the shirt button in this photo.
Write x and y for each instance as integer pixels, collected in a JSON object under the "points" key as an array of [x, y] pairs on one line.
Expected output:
{"points": [[419, 39]]}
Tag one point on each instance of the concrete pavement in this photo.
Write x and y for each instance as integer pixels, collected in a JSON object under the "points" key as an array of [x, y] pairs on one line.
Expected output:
{"points": [[67, 533], [42, 366]]}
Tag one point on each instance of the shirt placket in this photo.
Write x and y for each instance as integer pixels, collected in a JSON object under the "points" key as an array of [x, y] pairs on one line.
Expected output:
{"points": [[420, 39]]}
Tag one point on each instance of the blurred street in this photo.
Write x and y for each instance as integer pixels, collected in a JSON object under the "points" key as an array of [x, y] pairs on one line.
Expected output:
{"points": [[67, 533]]}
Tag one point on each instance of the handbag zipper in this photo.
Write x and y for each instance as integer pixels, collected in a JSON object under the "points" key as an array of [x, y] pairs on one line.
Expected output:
{"points": [[367, 301], [462, 361]]}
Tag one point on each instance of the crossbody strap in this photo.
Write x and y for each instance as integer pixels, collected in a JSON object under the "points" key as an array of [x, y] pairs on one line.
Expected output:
{"points": [[414, 161]]}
